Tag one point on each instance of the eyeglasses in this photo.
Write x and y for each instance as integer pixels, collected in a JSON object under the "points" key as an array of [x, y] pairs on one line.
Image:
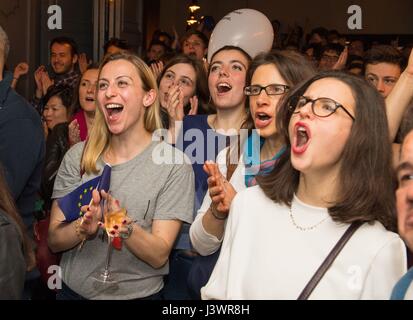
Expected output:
{"points": [[272, 89], [321, 107]]}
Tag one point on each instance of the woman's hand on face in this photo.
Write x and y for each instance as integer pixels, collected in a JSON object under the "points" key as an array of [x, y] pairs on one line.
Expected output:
{"points": [[92, 216], [220, 190], [175, 104]]}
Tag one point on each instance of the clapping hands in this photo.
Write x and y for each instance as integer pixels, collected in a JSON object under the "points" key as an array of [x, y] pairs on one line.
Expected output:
{"points": [[221, 191]]}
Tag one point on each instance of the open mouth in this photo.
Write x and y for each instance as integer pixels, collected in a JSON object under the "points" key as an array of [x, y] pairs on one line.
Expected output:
{"points": [[301, 138], [114, 110], [223, 87], [262, 120], [90, 99]]}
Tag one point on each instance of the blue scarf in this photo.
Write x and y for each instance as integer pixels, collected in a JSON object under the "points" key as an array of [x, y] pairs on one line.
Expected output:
{"points": [[253, 165]]}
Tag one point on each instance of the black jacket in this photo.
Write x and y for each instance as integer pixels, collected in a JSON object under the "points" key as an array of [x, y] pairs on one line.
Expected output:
{"points": [[57, 145]]}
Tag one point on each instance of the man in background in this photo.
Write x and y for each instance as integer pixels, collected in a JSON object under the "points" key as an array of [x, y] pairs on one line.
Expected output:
{"points": [[383, 67], [63, 61], [22, 145], [404, 197]]}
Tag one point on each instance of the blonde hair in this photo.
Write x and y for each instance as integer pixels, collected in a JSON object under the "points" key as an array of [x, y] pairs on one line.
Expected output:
{"points": [[99, 138]]}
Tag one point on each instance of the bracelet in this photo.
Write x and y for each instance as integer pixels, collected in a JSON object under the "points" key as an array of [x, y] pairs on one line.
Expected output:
{"points": [[77, 229], [125, 236], [217, 216]]}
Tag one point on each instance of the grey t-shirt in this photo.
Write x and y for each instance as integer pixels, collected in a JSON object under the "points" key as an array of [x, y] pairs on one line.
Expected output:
{"points": [[149, 191]]}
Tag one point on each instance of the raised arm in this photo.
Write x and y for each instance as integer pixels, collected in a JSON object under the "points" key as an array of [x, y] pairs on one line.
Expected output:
{"points": [[21, 69], [207, 230], [399, 98]]}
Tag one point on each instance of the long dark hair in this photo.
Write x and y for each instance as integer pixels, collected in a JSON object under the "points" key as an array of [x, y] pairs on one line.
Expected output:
{"points": [[7, 205], [366, 184]]}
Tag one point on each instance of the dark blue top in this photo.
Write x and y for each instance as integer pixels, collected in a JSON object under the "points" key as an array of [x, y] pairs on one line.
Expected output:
{"points": [[22, 148], [199, 142]]}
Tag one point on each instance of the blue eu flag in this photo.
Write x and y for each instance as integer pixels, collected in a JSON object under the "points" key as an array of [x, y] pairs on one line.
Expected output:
{"points": [[71, 203]]}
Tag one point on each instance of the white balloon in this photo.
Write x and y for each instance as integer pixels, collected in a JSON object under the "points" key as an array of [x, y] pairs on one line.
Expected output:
{"points": [[248, 29]]}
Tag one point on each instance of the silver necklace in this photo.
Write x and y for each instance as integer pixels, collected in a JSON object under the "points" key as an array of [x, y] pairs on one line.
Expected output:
{"points": [[304, 228]]}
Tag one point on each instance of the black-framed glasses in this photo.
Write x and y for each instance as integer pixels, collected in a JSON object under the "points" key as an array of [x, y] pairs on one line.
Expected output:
{"points": [[321, 107], [273, 89]]}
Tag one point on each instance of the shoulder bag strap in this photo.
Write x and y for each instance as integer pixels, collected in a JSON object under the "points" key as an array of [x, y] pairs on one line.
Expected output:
{"points": [[328, 261]]}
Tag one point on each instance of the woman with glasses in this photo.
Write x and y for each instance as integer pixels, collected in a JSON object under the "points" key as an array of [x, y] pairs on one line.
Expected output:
{"points": [[335, 173], [269, 77]]}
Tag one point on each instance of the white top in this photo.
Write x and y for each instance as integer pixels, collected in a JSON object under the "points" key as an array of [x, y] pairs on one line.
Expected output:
{"points": [[264, 256], [203, 242]]}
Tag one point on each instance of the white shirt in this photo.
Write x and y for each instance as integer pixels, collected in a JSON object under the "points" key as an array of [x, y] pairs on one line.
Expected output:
{"points": [[203, 242], [264, 256]]}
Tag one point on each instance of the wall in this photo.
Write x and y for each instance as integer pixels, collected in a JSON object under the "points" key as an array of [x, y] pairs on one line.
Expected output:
{"points": [[379, 17], [20, 20]]}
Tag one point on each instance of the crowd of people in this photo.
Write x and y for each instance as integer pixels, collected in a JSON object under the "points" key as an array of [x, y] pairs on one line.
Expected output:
{"points": [[239, 176]]}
